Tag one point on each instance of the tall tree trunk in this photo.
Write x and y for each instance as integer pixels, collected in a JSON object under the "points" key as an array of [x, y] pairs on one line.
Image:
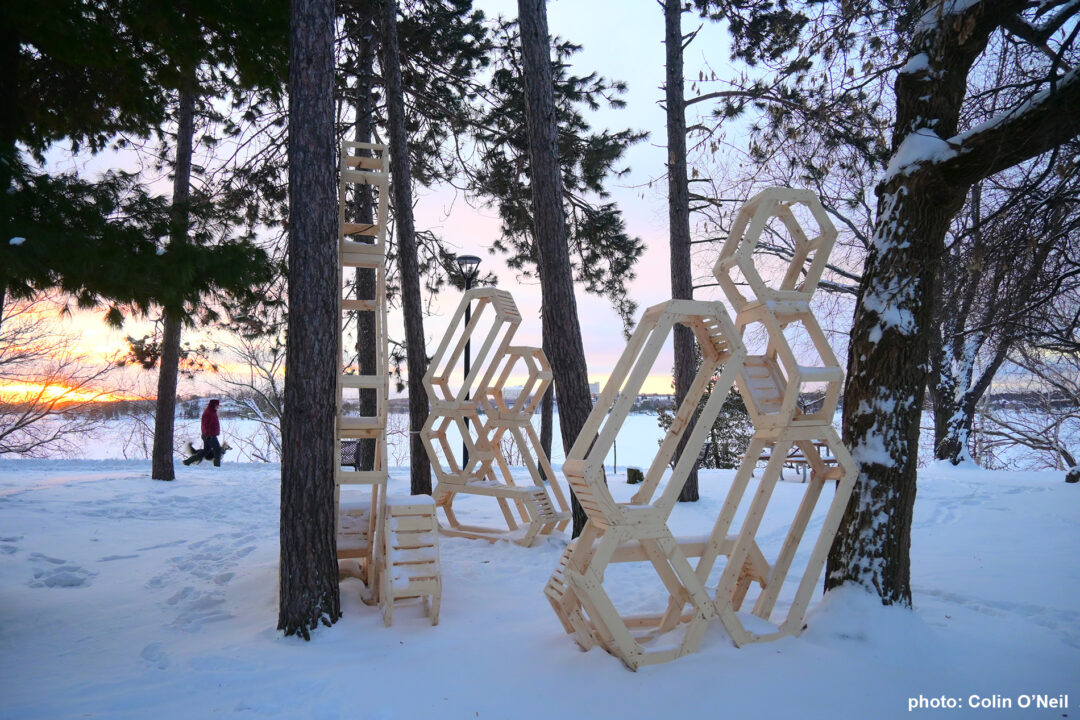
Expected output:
{"points": [[411, 301], [561, 330], [682, 283], [547, 418], [364, 204], [889, 350], [887, 366], [308, 567], [169, 362]]}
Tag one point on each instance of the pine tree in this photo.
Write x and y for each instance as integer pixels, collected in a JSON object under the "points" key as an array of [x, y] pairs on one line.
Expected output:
{"points": [[562, 332], [309, 591], [412, 303], [602, 254], [682, 282]]}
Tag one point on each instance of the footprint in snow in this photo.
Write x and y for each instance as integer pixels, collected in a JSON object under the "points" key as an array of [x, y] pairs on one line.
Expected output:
{"points": [[162, 545], [68, 576], [9, 547], [154, 655]]}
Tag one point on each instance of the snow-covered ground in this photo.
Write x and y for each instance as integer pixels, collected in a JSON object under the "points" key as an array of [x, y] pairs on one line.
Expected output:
{"points": [[122, 597]]}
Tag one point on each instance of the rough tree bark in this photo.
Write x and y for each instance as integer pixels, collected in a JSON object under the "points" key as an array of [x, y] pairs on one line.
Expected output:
{"points": [[308, 572], [921, 193], [561, 330], [682, 281], [547, 417], [161, 463], [411, 301]]}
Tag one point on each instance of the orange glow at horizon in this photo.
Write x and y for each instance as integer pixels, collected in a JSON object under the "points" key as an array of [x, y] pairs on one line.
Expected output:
{"points": [[21, 392]]}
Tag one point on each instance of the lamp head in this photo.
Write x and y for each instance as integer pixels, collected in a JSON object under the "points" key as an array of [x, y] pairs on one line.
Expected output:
{"points": [[469, 265]]}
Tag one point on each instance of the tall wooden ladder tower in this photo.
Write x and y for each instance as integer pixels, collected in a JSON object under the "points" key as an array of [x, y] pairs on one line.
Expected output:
{"points": [[361, 244]]}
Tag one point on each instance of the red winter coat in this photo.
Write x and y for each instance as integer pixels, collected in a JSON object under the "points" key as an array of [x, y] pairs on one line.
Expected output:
{"points": [[210, 424]]}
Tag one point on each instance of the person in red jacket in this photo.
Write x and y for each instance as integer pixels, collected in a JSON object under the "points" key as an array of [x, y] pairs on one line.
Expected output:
{"points": [[211, 428]]}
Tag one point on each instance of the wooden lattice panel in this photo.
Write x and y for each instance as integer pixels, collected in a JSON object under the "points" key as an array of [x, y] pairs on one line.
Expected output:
{"points": [[772, 384], [528, 511]]}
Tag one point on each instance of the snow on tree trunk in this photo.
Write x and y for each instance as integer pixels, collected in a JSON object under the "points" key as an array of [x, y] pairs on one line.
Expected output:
{"points": [[561, 330], [411, 301], [308, 570], [886, 381], [924, 186]]}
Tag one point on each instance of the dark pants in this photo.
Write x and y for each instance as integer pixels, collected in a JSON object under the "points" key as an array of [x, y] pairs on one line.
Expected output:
{"points": [[211, 449]]}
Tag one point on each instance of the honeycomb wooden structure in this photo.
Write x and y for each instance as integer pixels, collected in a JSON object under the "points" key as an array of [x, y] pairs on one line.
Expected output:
{"points": [[771, 383], [529, 511]]}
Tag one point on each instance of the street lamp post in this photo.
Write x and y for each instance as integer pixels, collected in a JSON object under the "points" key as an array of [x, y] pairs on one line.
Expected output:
{"points": [[470, 268]]}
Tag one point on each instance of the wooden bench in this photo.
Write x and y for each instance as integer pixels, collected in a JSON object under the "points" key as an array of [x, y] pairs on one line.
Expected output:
{"points": [[796, 460]]}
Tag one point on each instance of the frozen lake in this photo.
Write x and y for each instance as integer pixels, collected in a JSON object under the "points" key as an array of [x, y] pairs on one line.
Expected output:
{"points": [[132, 438]]}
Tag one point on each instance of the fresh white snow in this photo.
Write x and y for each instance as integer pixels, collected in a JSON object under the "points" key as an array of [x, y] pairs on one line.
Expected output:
{"points": [[124, 597], [920, 146]]}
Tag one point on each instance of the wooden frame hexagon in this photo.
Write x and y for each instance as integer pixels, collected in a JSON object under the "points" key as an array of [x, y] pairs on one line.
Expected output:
{"points": [[536, 513], [637, 531], [750, 222], [770, 384]]}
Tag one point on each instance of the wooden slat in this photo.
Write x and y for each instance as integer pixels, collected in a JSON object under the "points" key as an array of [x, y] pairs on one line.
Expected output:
{"points": [[364, 229], [359, 305], [359, 428], [364, 177], [360, 161], [363, 382], [360, 255]]}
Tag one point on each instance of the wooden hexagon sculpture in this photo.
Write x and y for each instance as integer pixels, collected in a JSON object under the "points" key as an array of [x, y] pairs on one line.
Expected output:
{"points": [[797, 360], [809, 254], [509, 420], [771, 384], [494, 320], [637, 531], [829, 462], [493, 323]]}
